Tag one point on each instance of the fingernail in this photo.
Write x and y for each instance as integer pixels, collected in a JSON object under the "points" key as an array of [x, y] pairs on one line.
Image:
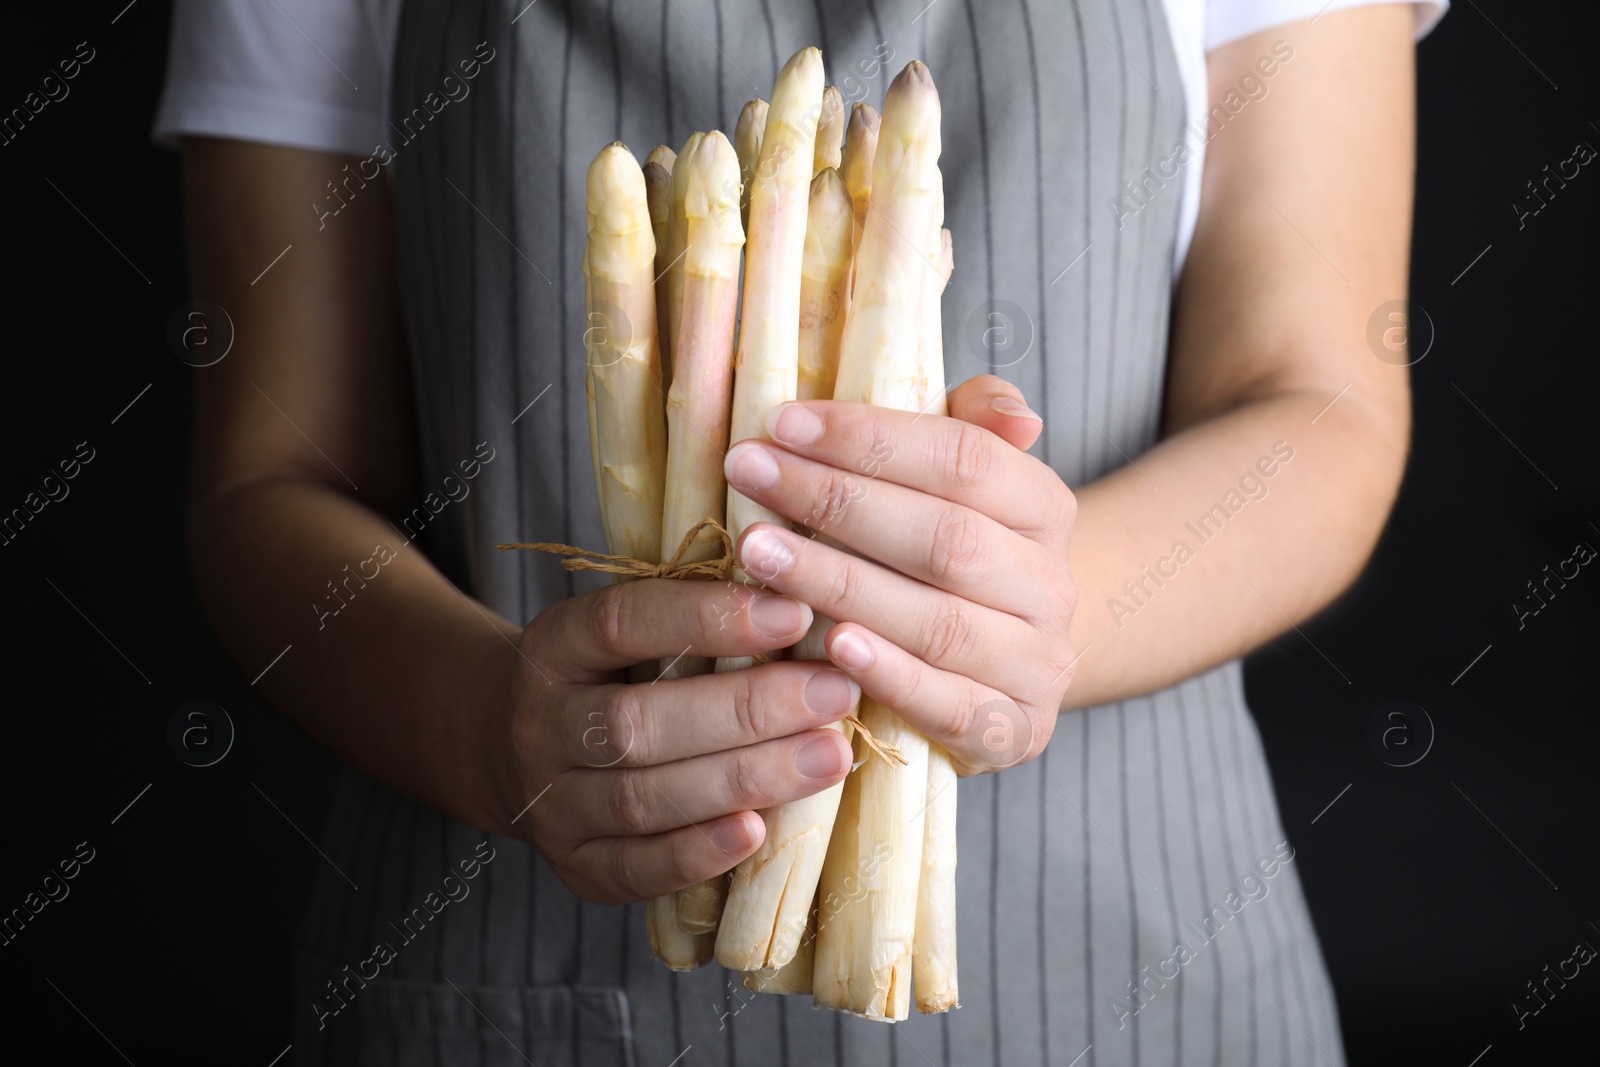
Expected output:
{"points": [[1005, 405], [765, 555], [794, 424], [778, 616], [851, 651], [731, 837], [831, 694], [749, 466], [819, 757]]}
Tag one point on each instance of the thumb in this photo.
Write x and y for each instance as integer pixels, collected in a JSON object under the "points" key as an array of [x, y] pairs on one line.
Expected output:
{"points": [[997, 406]]}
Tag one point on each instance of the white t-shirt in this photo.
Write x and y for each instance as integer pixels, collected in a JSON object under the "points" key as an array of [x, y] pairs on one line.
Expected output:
{"points": [[315, 73]]}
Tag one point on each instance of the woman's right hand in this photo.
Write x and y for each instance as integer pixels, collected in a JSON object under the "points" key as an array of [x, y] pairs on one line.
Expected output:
{"points": [[641, 789]]}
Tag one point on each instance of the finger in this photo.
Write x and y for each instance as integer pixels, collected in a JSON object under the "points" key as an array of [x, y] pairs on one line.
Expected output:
{"points": [[958, 461], [586, 637], [924, 537], [621, 870], [631, 726], [949, 632], [650, 800], [997, 406], [981, 728]]}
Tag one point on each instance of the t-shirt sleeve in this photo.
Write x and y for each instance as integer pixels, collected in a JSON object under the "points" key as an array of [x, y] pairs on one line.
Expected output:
{"points": [[1228, 20], [306, 73]]}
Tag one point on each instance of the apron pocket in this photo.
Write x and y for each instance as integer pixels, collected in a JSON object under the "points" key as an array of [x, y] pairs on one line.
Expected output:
{"points": [[422, 1024]]}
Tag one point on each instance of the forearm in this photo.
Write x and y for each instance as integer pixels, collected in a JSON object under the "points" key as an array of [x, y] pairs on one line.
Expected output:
{"points": [[387, 665], [376, 657], [1197, 554], [1269, 344]]}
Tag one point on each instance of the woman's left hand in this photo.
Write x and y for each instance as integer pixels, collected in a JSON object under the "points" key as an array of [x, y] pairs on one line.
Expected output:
{"points": [[956, 611]]}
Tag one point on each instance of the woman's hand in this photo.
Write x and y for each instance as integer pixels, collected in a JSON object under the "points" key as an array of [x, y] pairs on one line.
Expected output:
{"points": [[956, 611], [646, 788]]}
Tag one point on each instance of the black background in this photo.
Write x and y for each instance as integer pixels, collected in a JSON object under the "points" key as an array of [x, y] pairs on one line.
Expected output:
{"points": [[174, 940]]}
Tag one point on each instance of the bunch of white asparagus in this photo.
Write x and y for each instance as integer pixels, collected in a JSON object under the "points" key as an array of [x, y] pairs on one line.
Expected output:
{"points": [[843, 269]]}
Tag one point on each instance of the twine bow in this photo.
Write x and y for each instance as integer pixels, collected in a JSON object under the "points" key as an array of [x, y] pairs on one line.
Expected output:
{"points": [[584, 559]]}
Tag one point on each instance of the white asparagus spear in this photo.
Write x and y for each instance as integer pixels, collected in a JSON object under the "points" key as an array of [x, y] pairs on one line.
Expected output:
{"points": [[670, 259], [627, 421], [769, 901], [700, 906], [824, 298], [934, 950], [747, 134], [657, 186], [930, 335], [830, 131], [824, 276], [765, 914], [698, 404], [864, 951], [768, 360], [855, 167], [767, 369], [671, 943], [844, 870], [770, 884], [657, 181], [793, 977]]}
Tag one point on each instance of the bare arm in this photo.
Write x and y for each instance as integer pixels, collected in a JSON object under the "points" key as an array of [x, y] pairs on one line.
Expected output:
{"points": [[302, 449], [1270, 326]]}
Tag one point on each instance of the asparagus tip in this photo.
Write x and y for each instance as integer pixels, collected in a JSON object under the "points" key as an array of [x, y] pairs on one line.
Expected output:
{"points": [[616, 192], [832, 101], [912, 88], [918, 71], [863, 116], [713, 178], [690, 143], [830, 200], [680, 174], [911, 112], [662, 156], [802, 62], [657, 183]]}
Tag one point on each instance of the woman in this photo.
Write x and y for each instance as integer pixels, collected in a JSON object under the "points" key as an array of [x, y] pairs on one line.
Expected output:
{"points": [[1186, 353]]}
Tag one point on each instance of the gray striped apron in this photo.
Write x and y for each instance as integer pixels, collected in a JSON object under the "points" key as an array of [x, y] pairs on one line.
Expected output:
{"points": [[1127, 898]]}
